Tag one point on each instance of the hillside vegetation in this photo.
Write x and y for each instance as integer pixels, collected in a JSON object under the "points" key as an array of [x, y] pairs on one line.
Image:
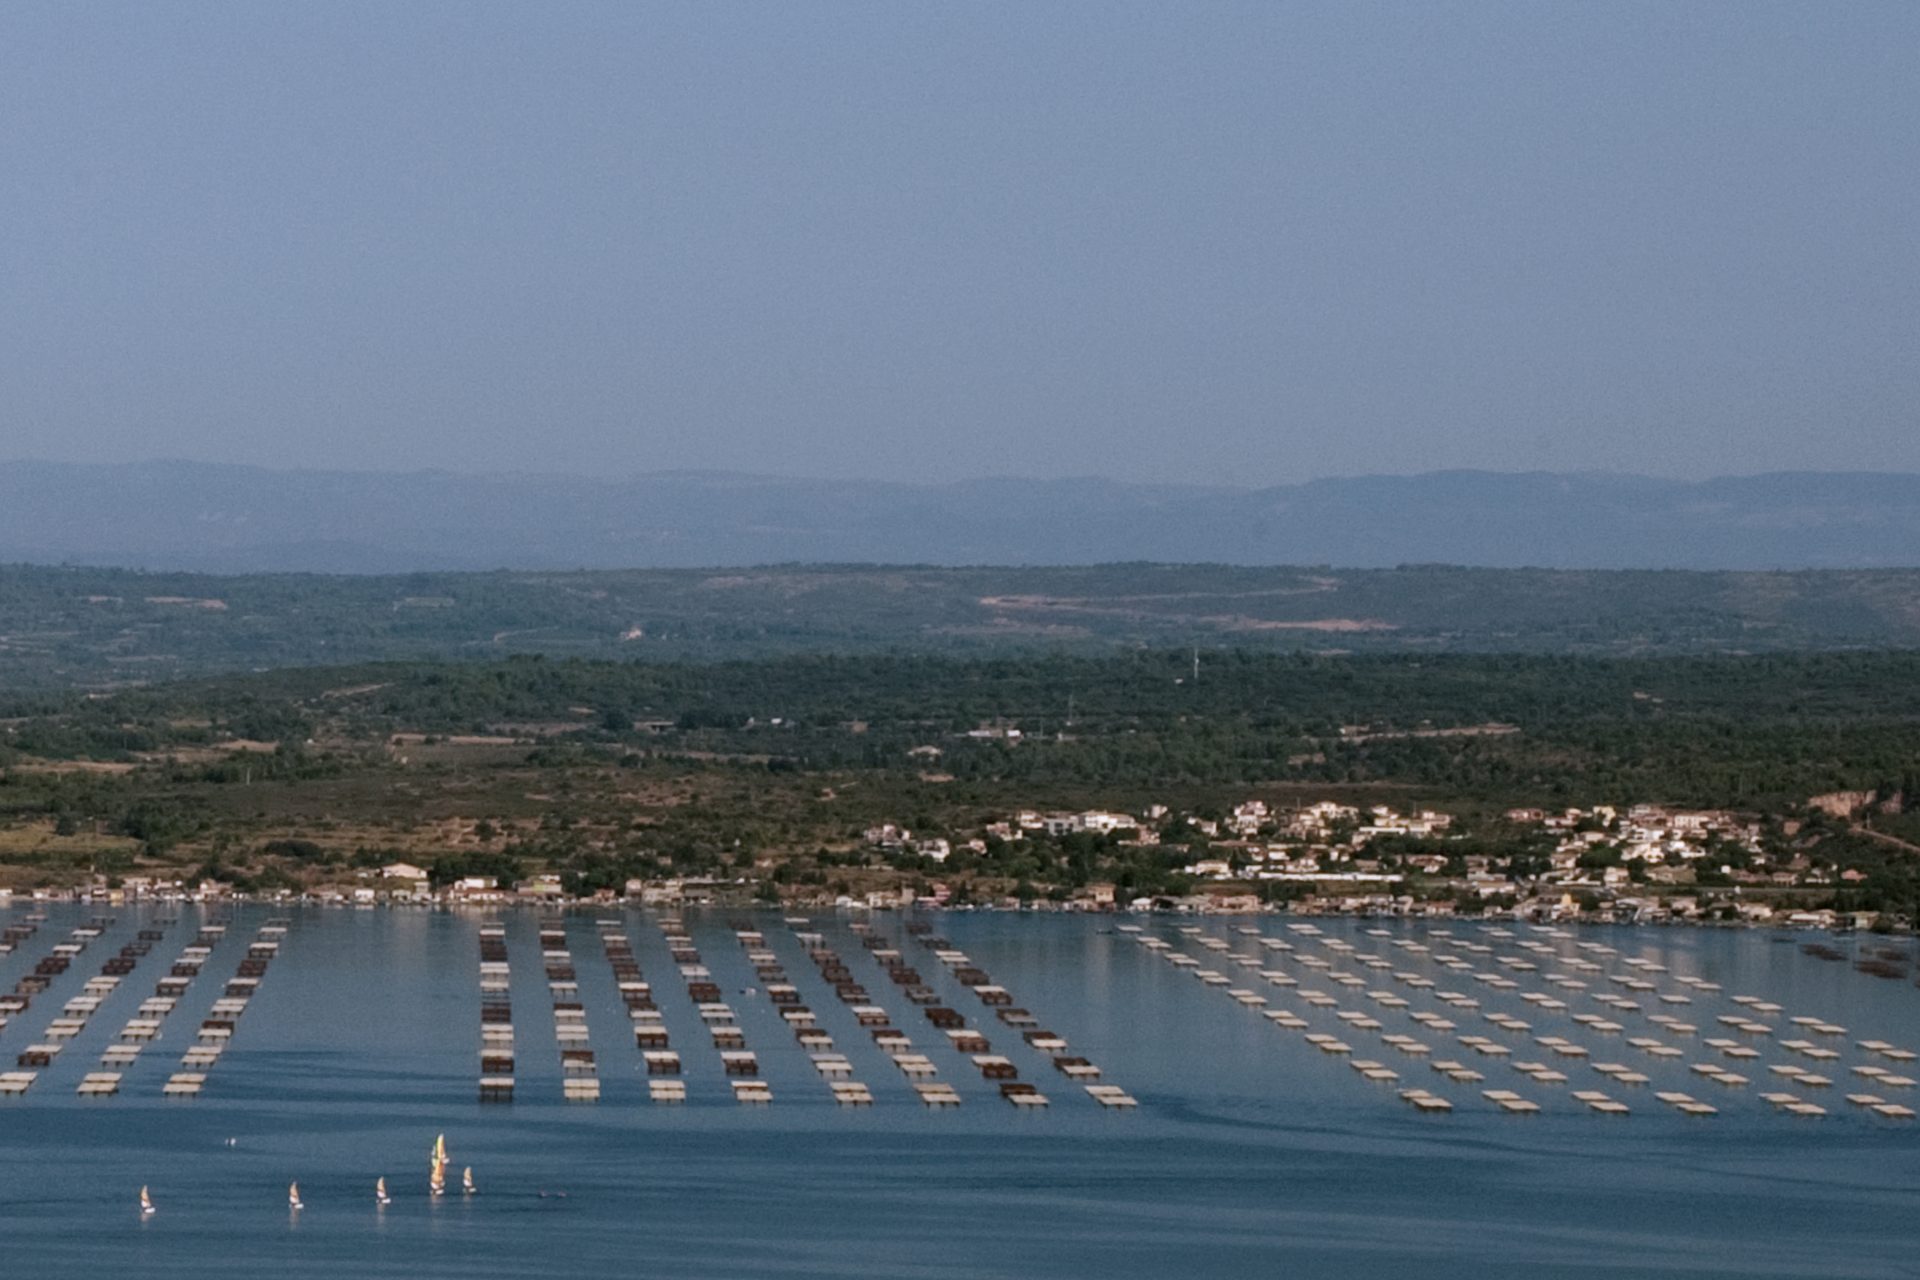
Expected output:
{"points": [[607, 770]]}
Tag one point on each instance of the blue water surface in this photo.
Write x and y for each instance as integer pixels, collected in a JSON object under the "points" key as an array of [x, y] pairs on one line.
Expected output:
{"points": [[1251, 1153]]}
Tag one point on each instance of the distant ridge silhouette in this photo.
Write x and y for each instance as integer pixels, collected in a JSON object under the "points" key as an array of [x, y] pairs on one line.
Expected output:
{"points": [[218, 518]]}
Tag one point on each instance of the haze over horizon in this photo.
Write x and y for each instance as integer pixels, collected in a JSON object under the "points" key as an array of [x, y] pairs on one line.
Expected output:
{"points": [[1245, 244], [1234, 483]]}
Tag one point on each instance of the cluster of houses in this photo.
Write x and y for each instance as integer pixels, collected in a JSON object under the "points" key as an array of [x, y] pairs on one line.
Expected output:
{"points": [[1653, 845], [1604, 862], [1643, 863]]}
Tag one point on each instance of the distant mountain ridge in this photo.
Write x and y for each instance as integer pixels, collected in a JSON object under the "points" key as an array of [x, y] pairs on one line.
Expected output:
{"points": [[233, 519]]}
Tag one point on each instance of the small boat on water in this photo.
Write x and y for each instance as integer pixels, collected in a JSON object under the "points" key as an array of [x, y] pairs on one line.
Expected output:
{"points": [[380, 1196], [437, 1167], [293, 1196], [146, 1204], [466, 1181]]}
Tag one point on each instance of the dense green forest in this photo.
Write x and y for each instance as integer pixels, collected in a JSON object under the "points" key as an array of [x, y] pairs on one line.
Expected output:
{"points": [[1758, 730], [103, 628], [1755, 730]]}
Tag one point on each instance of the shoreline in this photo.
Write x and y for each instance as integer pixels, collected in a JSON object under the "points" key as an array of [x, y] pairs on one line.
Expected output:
{"points": [[549, 905]]}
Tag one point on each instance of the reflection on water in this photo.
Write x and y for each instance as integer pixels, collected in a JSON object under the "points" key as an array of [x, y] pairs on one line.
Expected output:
{"points": [[1252, 1154]]}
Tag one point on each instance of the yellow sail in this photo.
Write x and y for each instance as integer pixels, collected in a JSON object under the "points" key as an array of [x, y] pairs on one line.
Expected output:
{"points": [[466, 1180], [380, 1190], [293, 1194], [146, 1201], [440, 1149]]}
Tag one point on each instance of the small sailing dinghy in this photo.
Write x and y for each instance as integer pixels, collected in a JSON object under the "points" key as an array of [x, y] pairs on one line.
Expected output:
{"points": [[437, 1168], [293, 1196], [380, 1196], [466, 1181], [146, 1204]]}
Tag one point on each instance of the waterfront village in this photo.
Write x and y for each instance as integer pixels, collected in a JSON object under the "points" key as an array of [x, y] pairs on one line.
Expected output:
{"points": [[1639, 864]]}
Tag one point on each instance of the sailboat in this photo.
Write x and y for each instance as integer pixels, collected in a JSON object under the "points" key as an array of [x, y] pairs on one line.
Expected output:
{"points": [[466, 1181], [293, 1196], [437, 1177], [380, 1196], [146, 1204]]}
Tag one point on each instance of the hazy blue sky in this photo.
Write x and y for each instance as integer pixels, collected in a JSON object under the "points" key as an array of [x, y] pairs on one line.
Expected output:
{"points": [[1192, 240]]}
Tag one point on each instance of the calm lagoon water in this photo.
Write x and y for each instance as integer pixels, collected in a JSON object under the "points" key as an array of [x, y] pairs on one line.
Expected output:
{"points": [[1252, 1154]]}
